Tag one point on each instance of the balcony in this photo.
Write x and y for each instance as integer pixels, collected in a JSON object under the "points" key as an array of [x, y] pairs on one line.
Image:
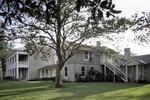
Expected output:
{"points": [[23, 60], [23, 63]]}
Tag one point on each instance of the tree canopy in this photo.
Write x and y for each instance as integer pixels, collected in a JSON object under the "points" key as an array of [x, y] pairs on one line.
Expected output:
{"points": [[49, 24], [5, 50], [141, 27], [48, 9]]}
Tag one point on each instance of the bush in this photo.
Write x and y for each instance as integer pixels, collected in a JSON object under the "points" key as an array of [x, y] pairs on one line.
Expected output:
{"points": [[109, 78], [33, 79], [118, 79], [143, 80], [99, 77], [92, 76], [80, 78], [47, 79], [10, 78]]}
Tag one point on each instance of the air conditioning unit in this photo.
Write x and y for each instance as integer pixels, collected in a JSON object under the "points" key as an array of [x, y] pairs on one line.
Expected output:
{"points": [[91, 59]]}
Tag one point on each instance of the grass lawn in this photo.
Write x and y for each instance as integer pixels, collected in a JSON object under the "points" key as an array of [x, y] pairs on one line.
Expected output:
{"points": [[38, 90]]}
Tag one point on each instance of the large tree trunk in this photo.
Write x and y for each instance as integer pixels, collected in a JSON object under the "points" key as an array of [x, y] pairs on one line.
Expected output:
{"points": [[58, 78], [3, 63]]}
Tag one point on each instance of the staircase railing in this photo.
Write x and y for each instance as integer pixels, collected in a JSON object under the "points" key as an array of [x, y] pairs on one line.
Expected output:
{"points": [[116, 69]]}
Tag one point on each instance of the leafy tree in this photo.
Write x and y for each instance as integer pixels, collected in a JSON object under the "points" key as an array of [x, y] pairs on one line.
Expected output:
{"points": [[141, 27], [51, 8], [5, 50], [49, 24], [109, 51]]}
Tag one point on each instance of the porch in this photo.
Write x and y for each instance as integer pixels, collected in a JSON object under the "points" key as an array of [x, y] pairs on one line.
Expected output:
{"points": [[134, 71], [48, 71], [19, 73]]}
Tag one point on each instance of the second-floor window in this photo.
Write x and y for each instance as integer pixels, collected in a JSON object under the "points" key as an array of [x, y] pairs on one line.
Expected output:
{"points": [[88, 55]]}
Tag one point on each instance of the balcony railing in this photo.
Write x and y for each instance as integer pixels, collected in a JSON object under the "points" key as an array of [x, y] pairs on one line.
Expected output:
{"points": [[23, 63]]}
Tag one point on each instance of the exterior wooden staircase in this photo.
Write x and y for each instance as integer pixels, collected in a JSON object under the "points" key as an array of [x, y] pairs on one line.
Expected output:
{"points": [[117, 70]]}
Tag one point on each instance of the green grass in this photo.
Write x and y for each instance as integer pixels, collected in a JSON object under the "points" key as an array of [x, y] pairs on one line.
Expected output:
{"points": [[37, 90]]}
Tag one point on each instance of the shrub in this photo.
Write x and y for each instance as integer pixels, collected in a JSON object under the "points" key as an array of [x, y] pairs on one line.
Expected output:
{"points": [[79, 78], [33, 79], [143, 79], [47, 79], [99, 77], [10, 78], [92, 76], [109, 78]]}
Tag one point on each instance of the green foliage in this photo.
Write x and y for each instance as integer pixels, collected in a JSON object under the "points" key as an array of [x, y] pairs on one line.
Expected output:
{"points": [[52, 8], [48, 79], [10, 78], [143, 80], [49, 24], [109, 51], [92, 76], [5, 50], [141, 27]]}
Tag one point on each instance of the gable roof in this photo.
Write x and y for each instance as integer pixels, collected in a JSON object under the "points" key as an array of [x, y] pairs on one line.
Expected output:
{"points": [[87, 48], [49, 66], [142, 59], [130, 61]]}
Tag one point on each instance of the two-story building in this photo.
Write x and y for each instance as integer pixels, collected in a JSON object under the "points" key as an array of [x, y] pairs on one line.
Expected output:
{"points": [[84, 59], [22, 66], [130, 69]]}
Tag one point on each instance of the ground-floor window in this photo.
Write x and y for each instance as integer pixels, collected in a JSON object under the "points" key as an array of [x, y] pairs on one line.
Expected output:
{"points": [[42, 73], [66, 71], [82, 71], [47, 73]]}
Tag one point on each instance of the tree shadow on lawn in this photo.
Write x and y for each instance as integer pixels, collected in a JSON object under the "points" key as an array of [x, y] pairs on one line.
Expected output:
{"points": [[19, 92], [19, 88], [9, 85], [79, 91], [99, 91]]}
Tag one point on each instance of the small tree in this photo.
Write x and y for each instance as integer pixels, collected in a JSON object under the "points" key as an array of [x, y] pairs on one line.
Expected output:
{"points": [[51, 23]]}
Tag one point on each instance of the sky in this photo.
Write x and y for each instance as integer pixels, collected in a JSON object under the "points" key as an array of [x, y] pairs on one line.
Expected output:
{"points": [[129, 7]]}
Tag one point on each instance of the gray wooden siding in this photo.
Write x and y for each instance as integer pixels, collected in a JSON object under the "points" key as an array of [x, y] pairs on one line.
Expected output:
{"points": [[37, 63], [78, 58]]}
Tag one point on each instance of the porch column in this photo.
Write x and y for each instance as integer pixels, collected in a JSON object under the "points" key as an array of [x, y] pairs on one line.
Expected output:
{"points": [[114, 74], [17, 71], [104, 70], [137, 72], [126, 73]]}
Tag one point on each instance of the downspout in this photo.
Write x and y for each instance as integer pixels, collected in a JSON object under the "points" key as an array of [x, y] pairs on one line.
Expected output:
{"points": [[75, 66]]}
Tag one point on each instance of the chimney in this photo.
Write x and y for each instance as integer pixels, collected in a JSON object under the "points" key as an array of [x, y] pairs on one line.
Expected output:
{"points": [[127, 53], [98, 44]]}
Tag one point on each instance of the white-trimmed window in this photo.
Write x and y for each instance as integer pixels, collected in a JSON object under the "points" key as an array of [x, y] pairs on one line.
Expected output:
{"points": [[88, 55], [42, 73], [47, 73], [66, 71], [82, 71]]}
